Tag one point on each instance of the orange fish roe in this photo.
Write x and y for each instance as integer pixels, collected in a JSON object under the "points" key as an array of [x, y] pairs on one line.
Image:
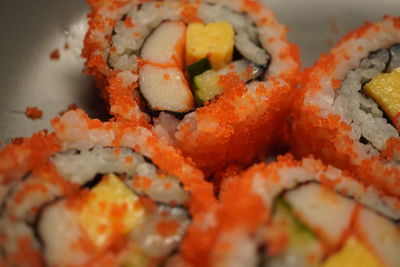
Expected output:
{"points": [[236, 119], [48, 172], [145, 182], [28, 189], [165, 213], [166, 77], [336, 83], [55, 54], [393, 146], [117, 214], [331, 131], [71, 106], [330, 138], [33, 113], [147, 204], [172, 161], [357, 33], [189, 13], [26, 255], [396, 22], [129, 22], [249, 136], [223, 177], [17, 141], [84, 244], [328, 182], [167, 186], [29, 154], [117, 151], [128, 160], [166, 228], [3, 238], [245, 215], [74, 202], [136, 183], [168, 159], [251, 6], [248, 212], [125, 98], [106, 254]]}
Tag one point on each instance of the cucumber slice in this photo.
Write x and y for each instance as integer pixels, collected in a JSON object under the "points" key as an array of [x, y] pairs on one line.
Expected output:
{"points": [[299, 232], [206, 86], [136, 259], [198, 67], [302, 248]]}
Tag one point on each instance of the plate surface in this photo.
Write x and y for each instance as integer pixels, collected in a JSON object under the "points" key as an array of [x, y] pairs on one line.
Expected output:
{"points": [[32, 30]]}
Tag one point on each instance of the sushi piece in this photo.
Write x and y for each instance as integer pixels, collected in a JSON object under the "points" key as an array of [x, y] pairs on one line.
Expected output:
{"points": [[293, 213], [212, 78], [98, 194], [348, 113]]}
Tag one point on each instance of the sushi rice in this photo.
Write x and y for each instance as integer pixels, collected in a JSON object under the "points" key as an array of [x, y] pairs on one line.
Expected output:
{"points": [[337, 121], [236, 125], [93, 193], [127, 192], [291, 213]]}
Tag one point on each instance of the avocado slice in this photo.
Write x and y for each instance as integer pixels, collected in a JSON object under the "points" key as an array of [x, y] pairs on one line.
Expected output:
{"points": [[198, 67], [303, 246], [206, 86], [299, 232], [136, 259]]}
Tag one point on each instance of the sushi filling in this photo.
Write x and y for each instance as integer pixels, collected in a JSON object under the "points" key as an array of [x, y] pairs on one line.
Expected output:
{"points": [[313, 226], [368, 97], [123, 205], [179, 63]]}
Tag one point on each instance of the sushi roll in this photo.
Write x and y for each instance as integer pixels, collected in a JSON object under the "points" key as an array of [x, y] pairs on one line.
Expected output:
{"points": [[293, 213], [212, 78], [96, 194], [348, 113]]}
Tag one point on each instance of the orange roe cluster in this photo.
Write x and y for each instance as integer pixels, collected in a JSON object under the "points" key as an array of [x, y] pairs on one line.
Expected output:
{"points": [[249, 212], [319, 136], [243, 126], [105, 255], [242, 133], [55, 54], [33, 113], [327, 136], [189, 13], [167, 158], [26, 255], [27, 154], [167, 227], [33, 155], [71, 106]]}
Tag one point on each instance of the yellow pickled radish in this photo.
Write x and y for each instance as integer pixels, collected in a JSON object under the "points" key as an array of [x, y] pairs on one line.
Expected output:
{"points": [[213, 40], [353, 253], [384, 89], [111, 207]]}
